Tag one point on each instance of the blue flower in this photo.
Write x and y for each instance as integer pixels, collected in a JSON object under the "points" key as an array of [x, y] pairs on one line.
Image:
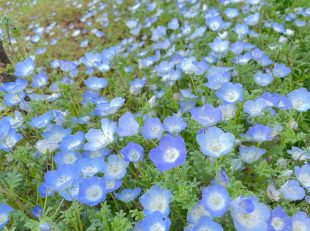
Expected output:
{"points": [[215, 143], [205, 223], [278, 220], [14, 87], [39, 80], [65, 157], [37, 211], [90, 166], [155, 221], [128, 195], [109, 108], [280, 70], [174, 124], [95, 84], [216, 200], [303, 175], [169, 153], [5, 210], [66, 66], [136, 86], [156, 199], [263, 79], [207, 115], [24, 68], [198, 211], [100, 138], [152, 128], [127, 125], [115, 167], [133, 152], [42, 120], [8, 138], [259, 133], [299, 154], [230, 92], [92, 191], [173, 24], [250, 154], [215, 23], [61, 178], [72, 142], [300, 99], [300, 222], [255, 107], [219, 46], [255, 220], [292, 191], [112, 184]]}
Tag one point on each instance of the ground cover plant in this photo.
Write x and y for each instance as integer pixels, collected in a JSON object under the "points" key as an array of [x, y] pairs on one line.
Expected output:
{"points": [[155, 115]]}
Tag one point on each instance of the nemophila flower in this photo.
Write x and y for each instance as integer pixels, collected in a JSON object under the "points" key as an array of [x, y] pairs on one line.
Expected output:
{"points": [[237, 47], [280, 70], [250, 154], [46, 146], [215, 23], [11, 99], [259, 133], [133, 152], [198, 211], [214, 142], [45, 227], [292, 191], [255, 107], [100, 138], [72, 142], [170, 153], [219, 46], [112, 184], [230, 92], [252, 19], [66, 66], [300, 99], [61, 178], [24, 68], [37, 211], [278, 220], [205, 223], [273, 193], [187, 65], [242, 59], [263, 79], [42, 120], [228, 111], [173, 24], [109, 108], [56, 133], [277, 27], [154, 221], [94, 83], [158, 33], [303, 175], [174, 124], [92, 191], [207, 115], [216, 200], [283, 103], [90, 166], [115, 167], [39, 80], [254, 220], [300, 221], [152, 128], [14, 87], [127, 125], [231, 13], [241, 30], [65, 157], [5, 211], [216, 80], [136, 86], [156, 199], [128, 195]]}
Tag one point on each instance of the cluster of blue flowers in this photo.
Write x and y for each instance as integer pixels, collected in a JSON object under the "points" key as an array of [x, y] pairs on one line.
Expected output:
{"points": [[93, 153]]}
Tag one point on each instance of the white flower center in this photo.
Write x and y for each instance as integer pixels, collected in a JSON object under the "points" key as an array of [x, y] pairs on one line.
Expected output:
{"points": [[114, 169], [157, 227], [133, 155], [171, 155], [69, 158], [158, 204], [299, 226], [94, 193], [277, 223], [298, 104], [216, 201], [248, 219]]}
